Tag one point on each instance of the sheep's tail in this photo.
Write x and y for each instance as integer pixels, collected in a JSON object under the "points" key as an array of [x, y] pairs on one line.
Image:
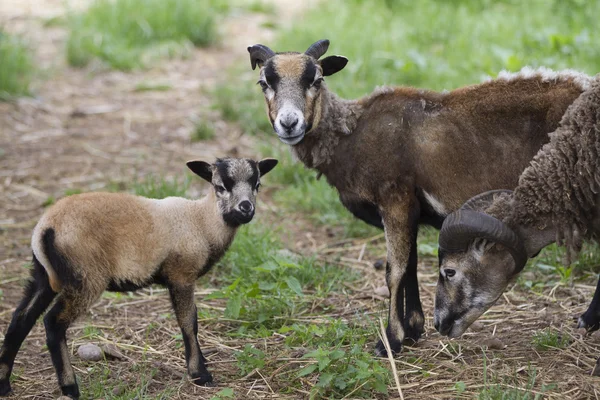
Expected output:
{"points": [[57, 266]]}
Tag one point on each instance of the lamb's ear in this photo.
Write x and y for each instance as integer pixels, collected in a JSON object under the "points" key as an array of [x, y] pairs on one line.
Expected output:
{"points": [[333, 64], [201, 168], [265, 165]]}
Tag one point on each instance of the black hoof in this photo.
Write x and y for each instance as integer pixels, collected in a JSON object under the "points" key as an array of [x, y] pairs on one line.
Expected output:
{"points": [[395, 346], [71, 391], [203, 380], [4, 387], [589, 322]]}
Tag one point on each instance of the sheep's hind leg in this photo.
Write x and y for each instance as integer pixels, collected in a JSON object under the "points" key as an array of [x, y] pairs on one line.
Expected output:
{"points": [[182, 297], [38, 296], [591, 318], [70, 304], [414, 320]]}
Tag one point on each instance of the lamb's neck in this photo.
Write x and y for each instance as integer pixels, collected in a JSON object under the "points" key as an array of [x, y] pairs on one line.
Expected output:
{"points": [[213, 226], [338, 119]]}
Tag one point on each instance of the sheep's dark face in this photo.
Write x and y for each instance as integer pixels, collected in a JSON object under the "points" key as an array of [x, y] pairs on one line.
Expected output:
{"points": [[293, 85], [235, 182], [469, 283]]}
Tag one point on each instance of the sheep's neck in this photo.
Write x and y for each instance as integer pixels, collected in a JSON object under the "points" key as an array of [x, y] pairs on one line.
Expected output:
{"points": [[338, 119], [214, 227]]}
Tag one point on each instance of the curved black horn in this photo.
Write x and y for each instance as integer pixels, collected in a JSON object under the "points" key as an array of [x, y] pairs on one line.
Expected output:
{"points": [[479, 202], [259, 54], [317, 49], [463, 226]]}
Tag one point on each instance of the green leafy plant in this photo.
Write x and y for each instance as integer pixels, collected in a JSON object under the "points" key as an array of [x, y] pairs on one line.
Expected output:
{"points": [[342, 372], [16, 67]]}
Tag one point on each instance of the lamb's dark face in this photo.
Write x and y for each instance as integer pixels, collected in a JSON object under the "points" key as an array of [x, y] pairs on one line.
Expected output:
{"points": [[469, 283], [293, 87], [235, 182]]}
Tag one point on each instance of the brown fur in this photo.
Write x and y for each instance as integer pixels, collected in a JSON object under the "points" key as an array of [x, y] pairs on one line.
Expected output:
{"points": [[560, 187], [129, 238], [428, 151]]}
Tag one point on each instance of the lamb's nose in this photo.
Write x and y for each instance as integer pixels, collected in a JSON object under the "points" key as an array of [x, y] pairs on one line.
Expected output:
{"points": [[245, 206]]}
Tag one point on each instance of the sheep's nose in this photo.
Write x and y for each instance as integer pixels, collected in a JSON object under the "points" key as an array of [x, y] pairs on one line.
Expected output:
{"points": [[289, 124], [245, 206]]}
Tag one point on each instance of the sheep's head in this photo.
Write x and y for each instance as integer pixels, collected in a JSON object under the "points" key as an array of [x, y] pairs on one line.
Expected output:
{"points": [[293, 86], [479, 255], [235, 182]]}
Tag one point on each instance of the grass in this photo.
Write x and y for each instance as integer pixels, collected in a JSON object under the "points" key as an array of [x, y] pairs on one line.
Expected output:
{"points": [[129, 34], [161, 187], [266, 286], [203, 131], [16, 67], [549, 339]]}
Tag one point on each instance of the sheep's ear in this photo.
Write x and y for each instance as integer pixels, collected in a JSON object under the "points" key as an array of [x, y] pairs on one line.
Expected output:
{"points": [[202, 169], [265, 165], [333, 64]]}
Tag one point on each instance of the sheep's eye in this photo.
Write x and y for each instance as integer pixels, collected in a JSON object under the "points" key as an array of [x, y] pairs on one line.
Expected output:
{"points": [[264, 85], [257, 186], [220, 189], [317, 83], [449, 272]]}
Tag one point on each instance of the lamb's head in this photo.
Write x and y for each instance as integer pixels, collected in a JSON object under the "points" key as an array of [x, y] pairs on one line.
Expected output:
{"points": [[293, 86], [235, 182], [479, 255]]}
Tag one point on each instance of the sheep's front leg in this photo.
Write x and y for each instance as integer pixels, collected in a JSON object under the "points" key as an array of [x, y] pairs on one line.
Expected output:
{"points": [[591, 318], [182, 297], [400, 217]]}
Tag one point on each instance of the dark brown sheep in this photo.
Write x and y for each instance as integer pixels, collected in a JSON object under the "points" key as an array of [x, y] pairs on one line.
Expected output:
{"points": [[401, 157]]}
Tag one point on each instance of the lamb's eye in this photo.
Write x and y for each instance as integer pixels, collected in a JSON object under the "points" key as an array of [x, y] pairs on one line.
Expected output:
{"points": [[257, 186], [317, 83], [264, 85], [449, 272], [220, 189]]}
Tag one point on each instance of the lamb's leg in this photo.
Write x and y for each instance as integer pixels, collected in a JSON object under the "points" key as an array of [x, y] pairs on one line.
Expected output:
{"points": [[400, 215], [70, 304], [414, 320], [182, 297], [38, 296], [591, 318]]}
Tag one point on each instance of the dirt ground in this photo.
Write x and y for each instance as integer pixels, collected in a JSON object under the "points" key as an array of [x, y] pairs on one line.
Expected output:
{"points": [[88, 128]]}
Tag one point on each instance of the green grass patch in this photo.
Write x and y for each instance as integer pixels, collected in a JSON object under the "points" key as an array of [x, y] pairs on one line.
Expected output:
{"points": [[16, 67], [128, 34], [203, 131], [152, 86], [266, 286], [549, 339], [160, 187], [342, 372]]}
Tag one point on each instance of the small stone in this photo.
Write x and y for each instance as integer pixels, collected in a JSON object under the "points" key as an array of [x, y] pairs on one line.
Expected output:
{"points": [[89, 352], [117, 391], [111, 351], [64, 398], [477, 326], [493, 343], [382, 291], [379, 264], [596, 334]]}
